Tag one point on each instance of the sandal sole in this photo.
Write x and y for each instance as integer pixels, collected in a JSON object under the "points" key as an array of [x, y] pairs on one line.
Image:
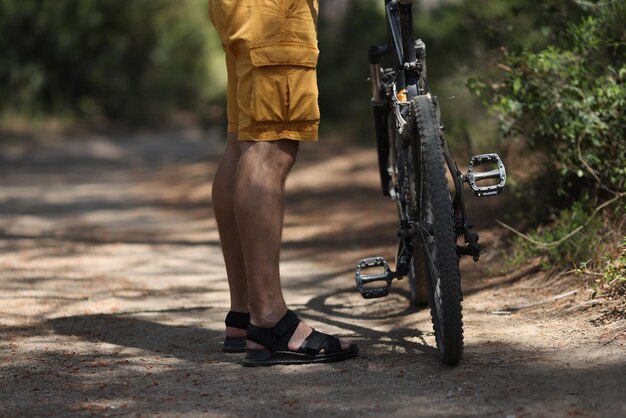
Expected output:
{"points": [[234, 349], [264, 358]]}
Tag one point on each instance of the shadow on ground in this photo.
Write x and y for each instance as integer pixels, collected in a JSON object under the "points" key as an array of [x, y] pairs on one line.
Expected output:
{"points": [[110, 364]]}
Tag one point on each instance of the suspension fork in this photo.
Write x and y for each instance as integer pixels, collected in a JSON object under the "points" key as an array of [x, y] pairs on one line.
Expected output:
{"points": [[380, 109]]}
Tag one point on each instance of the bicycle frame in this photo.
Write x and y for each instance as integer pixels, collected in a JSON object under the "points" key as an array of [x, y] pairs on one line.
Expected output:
{"points": [[407, 69], [408, 77]]}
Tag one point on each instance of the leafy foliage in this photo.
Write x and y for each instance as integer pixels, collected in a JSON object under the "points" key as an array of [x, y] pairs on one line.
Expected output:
{"points": [[566, 99], [569, 99], [464, 40]]}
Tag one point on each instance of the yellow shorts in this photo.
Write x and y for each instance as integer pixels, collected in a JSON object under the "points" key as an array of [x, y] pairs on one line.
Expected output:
{"points": [[271, 56]]}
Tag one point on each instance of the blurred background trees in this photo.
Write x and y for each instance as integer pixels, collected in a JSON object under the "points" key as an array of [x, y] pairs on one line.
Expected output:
{"points": [[129, 61], [541, 82]]}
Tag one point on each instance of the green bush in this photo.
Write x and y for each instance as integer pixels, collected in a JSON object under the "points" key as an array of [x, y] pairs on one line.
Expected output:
{"points": [[568, 99], [464, 40]]}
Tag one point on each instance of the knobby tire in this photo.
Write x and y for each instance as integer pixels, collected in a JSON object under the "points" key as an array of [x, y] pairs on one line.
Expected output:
{"points": [[435, 257]]}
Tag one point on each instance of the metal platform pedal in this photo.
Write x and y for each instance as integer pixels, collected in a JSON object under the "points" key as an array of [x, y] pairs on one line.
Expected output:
{"points": [[498, 172], [363, 279]]}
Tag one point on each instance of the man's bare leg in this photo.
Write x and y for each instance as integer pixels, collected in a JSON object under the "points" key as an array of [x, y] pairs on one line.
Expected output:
{"points": [[223, 191], [258, 203]]}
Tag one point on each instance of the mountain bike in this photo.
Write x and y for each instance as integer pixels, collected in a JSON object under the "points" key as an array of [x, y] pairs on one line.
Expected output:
{"points": [[414, 163]]}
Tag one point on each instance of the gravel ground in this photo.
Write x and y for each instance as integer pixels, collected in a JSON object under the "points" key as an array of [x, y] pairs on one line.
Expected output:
{"points": [[113, 296]]}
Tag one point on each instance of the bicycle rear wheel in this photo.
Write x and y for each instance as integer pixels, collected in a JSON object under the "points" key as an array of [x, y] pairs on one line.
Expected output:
{"points": [[438, 259]]}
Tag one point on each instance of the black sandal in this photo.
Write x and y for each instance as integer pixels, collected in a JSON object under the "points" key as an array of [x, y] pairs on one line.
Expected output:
{"points": [[236, 320], [276, 351]]}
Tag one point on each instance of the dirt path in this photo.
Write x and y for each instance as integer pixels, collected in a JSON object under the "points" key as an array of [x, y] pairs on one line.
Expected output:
{"points": [[113, 294]]}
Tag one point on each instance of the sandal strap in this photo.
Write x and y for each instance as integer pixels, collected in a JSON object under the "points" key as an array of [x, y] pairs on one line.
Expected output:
{"points": [[237, 319], [317, 341], [275, 338]]}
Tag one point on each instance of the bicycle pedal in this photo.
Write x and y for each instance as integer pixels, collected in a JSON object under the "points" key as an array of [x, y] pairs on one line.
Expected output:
{"points": [[475, 177], [364, 279]]}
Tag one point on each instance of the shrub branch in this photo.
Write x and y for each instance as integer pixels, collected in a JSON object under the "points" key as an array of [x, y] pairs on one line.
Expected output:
{"points": [[552, 244]]}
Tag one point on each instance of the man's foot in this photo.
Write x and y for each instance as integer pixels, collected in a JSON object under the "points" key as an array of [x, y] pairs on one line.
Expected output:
{"points": [[292, 341], [296, 340]]}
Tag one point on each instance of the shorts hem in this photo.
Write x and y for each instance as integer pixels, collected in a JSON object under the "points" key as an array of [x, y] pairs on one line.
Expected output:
{"points": [[308, 134]]}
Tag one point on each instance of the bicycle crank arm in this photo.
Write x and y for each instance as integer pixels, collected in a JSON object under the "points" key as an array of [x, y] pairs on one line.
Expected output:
{"points": [[362, 280]]}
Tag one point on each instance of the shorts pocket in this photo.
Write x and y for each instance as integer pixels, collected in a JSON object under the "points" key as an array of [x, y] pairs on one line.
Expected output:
{"points": [[284, 84], [273, 22]]}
